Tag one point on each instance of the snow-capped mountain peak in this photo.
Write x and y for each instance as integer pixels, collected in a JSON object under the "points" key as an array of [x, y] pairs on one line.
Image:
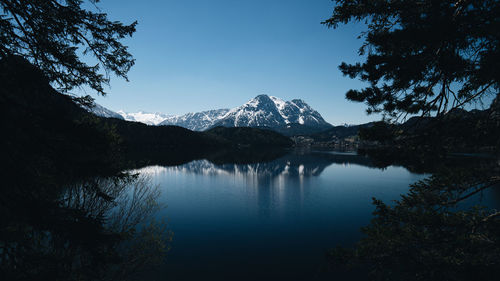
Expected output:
{"points": [[261, 111], [280, 104], [144, 117], [198, 121], [273, 112], [258, 112]]}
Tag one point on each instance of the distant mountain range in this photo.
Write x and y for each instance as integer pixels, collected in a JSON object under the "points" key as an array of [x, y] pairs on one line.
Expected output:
{"points": [[263, 111], [272, 112], [294, 164], [198, 121], [145, 117]]}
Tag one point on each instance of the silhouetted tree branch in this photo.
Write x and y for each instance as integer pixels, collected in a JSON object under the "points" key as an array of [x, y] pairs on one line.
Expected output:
{"points": [[57, 35], [423, 57]]}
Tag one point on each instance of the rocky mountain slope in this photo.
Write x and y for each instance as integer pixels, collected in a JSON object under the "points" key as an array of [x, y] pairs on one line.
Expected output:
{"points": [[272, 112], [262, 111], [144, 117], [287, 117], [198, 121]]}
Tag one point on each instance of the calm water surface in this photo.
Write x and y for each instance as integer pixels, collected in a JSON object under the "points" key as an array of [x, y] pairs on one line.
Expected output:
{"points": [[268, 221]]}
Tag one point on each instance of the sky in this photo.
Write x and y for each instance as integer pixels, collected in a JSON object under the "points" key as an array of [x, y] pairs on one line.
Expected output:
{"points": [[195, 55]]}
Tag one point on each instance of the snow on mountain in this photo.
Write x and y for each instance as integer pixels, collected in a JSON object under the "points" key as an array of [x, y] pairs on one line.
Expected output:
{"points": [[258, 112], [145, 117], [101, 111], [198, 121], [261, 111], [273, 112]]}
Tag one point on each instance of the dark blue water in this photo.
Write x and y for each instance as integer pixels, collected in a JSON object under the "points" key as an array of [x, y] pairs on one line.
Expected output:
{"points": [[269, 221]]}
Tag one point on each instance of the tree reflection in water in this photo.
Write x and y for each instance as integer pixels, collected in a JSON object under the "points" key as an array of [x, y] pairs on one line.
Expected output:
{"points": [[443, 229], [98, 229]]}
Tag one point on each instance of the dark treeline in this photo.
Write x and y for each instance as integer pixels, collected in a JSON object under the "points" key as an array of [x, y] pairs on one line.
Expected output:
{"points": [[67, 211], [62, 194], [429, 59], [40, 120], [457, 131]]}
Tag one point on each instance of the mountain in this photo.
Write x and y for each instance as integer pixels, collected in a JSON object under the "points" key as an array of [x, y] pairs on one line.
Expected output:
{"points": [[287, 117], [292, 164], [101, 111], [199, 121], [141, 116], [272, 112], [145, 117], [293, 117]]}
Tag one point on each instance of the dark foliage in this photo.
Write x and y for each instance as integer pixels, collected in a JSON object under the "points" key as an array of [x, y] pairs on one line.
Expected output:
{"points": [[66, 210], [295, 129], [379, 131], [55, 212], [431, 233], [439, 230], [423, 57], [250, 137], [156, 138], [456, 131], [428, 57], [48, 133], [87, 230], [340, 132], [55, 35], [45, 132]]}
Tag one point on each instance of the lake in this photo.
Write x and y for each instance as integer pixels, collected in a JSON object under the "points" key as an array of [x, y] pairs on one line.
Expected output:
{"points": [[235, 215], [268, 221]]}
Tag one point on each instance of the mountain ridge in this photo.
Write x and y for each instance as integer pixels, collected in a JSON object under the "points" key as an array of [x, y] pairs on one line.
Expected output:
{"points": [[147, 118], [273, 112], [196, 121], [263, 111]]}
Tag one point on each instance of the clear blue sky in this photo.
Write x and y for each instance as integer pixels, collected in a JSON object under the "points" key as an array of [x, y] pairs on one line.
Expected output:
{"points": [[194, 55]]}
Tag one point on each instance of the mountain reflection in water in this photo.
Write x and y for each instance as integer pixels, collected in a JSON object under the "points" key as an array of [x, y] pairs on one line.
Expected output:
{"points": [[296, 164], [269, 220], [236, 216]]}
